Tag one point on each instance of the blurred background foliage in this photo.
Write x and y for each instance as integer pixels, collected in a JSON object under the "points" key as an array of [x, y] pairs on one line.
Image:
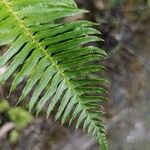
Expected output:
{"points": [[125, 27], [12, 121]]}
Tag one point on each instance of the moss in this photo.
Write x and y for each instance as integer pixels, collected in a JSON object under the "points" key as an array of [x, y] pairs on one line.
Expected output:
{"points": [[14, 136], [19, 116], [4, 105]]}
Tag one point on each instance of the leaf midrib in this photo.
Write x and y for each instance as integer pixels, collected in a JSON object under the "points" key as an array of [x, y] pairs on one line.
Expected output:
{"points": [[27, 32], [37, 44]]}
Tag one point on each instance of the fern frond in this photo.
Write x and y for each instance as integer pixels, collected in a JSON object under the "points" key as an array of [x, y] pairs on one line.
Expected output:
{"points": [[53, 58]]}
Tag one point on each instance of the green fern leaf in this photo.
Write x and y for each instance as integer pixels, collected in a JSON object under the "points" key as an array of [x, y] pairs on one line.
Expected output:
{"points": [[55, 59]]}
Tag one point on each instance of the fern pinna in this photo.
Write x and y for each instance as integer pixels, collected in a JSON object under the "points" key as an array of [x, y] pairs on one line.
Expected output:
{"points": [[55, 61]]}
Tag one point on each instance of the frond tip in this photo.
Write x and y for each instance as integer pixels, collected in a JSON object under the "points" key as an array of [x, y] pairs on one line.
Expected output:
{"points": [[55, 60]]}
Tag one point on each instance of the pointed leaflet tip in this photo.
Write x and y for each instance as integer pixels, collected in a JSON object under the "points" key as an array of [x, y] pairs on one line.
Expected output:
{"points": [[20, 99]]}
